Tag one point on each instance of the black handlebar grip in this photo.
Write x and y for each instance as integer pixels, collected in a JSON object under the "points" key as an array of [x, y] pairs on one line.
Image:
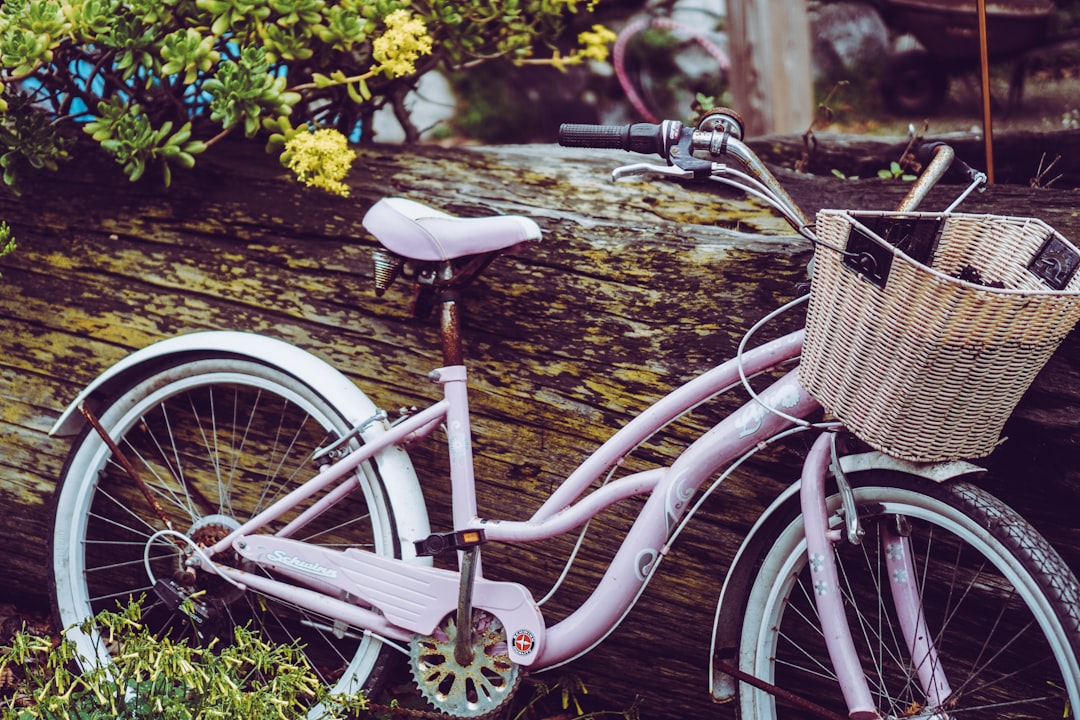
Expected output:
{"points": [[926, 153], [969, 172], [639, 137]]}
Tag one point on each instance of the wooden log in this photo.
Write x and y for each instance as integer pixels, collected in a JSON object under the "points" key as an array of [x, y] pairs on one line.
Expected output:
{"points": [[637, 287], [1024, 158]]}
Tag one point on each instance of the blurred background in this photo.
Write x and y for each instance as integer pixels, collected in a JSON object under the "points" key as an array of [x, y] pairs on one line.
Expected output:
{"points": [[872, 67]]}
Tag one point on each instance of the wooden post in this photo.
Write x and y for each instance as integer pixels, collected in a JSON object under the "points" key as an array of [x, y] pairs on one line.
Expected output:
{"points": [[771, 78], [984, 66]]}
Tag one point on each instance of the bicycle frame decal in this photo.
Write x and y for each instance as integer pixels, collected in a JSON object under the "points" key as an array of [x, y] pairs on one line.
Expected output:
{"points": [[752, 424], [280, 558], [523, 642], [645, 562]]}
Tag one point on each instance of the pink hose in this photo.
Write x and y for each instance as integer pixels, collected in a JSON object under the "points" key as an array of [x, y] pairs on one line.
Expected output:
{"points": [[635, 27]]}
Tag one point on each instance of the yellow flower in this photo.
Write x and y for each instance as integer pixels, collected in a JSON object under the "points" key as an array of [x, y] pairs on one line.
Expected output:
{"points": [[593, 47], [320, 159], [594, 43], [404, 41]]}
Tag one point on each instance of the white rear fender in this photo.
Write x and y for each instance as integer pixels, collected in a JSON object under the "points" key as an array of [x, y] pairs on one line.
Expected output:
{"points": [[290, 359], [394, 464]]}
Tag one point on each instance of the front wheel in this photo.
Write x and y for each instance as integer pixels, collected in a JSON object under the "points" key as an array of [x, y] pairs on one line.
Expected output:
{"points": [[212, 442], [999, 606]]}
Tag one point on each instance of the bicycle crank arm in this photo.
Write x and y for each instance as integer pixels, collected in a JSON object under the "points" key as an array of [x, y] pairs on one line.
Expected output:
{"points": [[413, 597]]}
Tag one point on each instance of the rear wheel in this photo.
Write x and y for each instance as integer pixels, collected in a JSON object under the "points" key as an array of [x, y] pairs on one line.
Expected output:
{"points": [[1001, 609], [213, 442], [914, 84]]}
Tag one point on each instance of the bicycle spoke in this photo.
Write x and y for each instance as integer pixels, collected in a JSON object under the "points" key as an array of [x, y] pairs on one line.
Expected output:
{"points": [[215, 442]]}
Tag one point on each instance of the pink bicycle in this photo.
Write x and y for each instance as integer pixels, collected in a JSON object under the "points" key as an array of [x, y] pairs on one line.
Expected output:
{"points": [[234, 479]]}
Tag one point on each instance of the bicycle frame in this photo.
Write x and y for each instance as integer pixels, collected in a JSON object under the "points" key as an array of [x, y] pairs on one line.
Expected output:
{"points": [[382, 582], [411, 598]]}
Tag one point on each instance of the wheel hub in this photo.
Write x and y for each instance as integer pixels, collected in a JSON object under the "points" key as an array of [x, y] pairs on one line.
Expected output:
{"points": [[470, 690], [207, 531], [202, 595]]}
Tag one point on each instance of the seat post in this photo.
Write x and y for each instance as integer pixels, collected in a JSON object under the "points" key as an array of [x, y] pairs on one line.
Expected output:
{"points": [[453, 352]]}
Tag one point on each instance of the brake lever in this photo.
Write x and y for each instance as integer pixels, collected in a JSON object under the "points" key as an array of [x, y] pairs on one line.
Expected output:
{"points": [[650, 169]]}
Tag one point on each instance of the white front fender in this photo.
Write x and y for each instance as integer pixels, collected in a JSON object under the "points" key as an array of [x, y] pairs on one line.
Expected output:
{"points": [[395, 466]]}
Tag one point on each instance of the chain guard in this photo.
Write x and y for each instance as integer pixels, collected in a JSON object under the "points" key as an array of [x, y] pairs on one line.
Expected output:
{"points": [[476, 690]]}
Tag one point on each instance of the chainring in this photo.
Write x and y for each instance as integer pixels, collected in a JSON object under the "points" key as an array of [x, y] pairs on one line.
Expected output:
{"points": [[475, 690]]}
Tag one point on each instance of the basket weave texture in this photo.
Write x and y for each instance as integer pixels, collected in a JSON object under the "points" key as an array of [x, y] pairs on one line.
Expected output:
{"points": [[929, 366]]}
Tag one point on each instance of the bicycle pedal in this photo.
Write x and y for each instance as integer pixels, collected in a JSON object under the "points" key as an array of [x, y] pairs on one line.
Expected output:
{"points": [[438, 543], [177, 599]]}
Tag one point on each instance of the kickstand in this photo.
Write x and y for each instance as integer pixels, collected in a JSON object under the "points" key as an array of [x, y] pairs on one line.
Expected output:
{"points": [[463, 645]]}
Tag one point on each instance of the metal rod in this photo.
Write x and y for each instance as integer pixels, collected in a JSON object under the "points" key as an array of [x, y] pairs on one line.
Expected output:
{"points": [[943, 157], [463, 649], [778, 692], [453, 351], [984, 62], [125, 464]]}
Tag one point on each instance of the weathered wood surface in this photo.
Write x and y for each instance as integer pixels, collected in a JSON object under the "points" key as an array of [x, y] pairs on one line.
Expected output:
{"points": [[636, 288], [1020, 157]]}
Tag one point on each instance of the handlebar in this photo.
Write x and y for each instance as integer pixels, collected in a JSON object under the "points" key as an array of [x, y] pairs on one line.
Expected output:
{"points": [[717, 136], [927, 151]]}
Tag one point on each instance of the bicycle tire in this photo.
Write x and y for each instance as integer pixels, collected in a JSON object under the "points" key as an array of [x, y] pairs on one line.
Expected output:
{"points": [[1008, 641], [914, 84], [208, 473]]}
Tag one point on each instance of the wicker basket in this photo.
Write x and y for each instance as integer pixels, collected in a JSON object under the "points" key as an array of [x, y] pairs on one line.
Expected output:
{"points": [[923, 331]]}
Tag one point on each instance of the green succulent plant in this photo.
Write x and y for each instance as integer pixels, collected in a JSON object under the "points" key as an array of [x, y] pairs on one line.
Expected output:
{"points": [[158, 679], [158, 82]]}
